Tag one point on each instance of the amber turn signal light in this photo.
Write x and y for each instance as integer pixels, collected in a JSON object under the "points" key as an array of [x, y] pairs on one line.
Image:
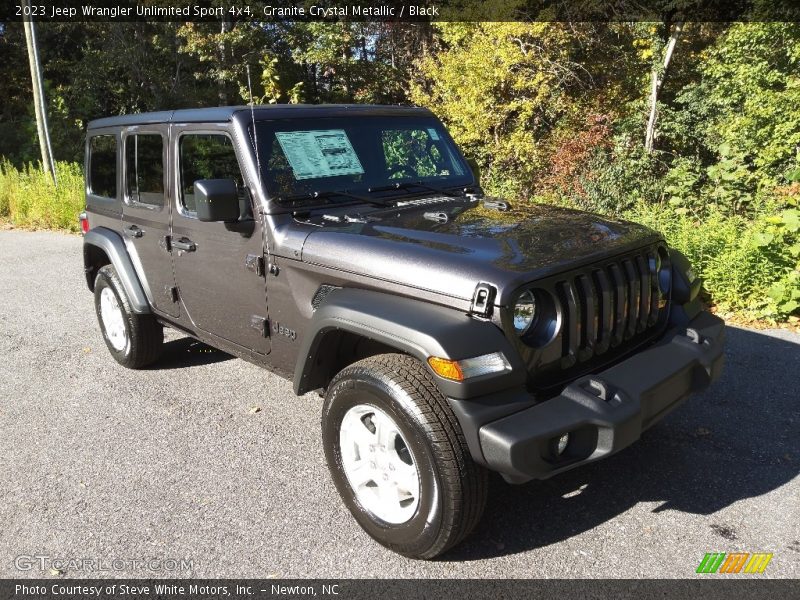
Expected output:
{"points": [[446, 368]]}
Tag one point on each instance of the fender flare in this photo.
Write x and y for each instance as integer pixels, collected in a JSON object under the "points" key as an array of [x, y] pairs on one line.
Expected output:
{"points": [[417, 328], [113, 246]]}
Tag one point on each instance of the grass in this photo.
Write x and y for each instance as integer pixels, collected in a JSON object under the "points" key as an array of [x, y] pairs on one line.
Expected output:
{"points": [[29, 199]]}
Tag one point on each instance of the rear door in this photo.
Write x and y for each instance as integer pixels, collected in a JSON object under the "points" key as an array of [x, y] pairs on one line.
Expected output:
{"points": [[219, 288], [146, 212]]}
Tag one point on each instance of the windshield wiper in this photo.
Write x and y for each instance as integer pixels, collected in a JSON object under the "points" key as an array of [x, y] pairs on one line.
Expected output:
{"points": [[327, 194], [407, 184]]}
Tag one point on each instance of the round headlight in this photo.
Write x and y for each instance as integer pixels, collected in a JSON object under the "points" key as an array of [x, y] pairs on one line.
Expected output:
{"points": [[524, 312]]}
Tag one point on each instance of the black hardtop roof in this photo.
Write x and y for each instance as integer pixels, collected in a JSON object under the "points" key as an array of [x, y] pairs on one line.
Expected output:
{"points": [[221, 114]]}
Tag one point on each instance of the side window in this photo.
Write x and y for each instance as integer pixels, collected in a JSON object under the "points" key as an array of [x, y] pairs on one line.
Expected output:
{"points": [[103, 166], [417, 153], [208, 156], [144, 169]]}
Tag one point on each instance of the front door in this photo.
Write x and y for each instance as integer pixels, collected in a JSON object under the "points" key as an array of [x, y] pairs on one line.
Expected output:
{"points": [[145, 212], [219, 290]]}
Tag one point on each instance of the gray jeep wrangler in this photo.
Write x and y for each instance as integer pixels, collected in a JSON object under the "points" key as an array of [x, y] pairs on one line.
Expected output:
{"points": [[351, 250]]}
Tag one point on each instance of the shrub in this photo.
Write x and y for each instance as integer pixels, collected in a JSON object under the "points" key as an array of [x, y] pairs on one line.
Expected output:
{"points": [[748, 265], [28, 197]]}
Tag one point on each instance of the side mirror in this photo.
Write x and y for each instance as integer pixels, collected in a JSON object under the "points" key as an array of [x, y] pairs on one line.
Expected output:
{"points": [[476, 170], [216, 200]]}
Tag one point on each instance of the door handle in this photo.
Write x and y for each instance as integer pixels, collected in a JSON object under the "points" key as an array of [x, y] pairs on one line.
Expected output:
{"points": [[134, 231], [184, 244]]}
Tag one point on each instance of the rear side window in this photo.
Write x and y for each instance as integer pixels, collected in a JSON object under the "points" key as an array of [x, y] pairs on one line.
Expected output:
{"points": [[103, 166], [144, 170], [206, 156]]}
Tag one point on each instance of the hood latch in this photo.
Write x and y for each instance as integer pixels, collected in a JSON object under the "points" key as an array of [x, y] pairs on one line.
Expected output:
{"points": [[482, 300]]}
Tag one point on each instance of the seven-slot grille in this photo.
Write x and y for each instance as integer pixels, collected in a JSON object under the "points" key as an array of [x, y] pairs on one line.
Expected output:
{"points": [[602, 307]]}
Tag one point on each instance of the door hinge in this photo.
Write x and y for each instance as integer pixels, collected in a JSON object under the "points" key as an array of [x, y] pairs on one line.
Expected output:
{"points": [[255, 263], [171, 292], [259, 324]]}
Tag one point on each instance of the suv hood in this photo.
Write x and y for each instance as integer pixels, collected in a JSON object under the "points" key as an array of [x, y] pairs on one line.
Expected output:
{"points": [[409, 246]]}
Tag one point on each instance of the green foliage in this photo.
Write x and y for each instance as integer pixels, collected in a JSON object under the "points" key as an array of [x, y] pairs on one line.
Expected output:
{"points": [[751, 266], [28, 197], [619, 179], [499, 86], [553, 111]]}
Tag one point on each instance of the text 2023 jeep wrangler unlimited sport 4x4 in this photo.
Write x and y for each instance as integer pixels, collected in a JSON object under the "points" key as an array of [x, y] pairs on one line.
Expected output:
{"points": [[350, 248]]}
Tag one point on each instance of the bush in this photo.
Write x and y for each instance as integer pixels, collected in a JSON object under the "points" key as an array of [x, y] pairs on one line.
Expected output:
{"points": [[28, 197], [749, 266]]}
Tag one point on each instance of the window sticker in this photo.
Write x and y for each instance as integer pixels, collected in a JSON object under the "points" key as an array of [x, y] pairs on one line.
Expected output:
{"points": [[319, 153], [434, 135]]}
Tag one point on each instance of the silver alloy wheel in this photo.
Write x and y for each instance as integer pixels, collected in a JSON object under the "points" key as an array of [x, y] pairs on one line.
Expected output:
{"points": [[113, 320], [378, 464]]}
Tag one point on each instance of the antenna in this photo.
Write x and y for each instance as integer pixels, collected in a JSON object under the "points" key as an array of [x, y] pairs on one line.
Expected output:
{"points": [[255, 135]]}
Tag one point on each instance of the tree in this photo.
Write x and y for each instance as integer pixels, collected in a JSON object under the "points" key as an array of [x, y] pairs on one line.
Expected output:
{"points": [[502, 89], [658, 76]]}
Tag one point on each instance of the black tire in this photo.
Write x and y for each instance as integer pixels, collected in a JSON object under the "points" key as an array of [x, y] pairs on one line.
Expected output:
{"points": [[452, 490], [145, 335]]}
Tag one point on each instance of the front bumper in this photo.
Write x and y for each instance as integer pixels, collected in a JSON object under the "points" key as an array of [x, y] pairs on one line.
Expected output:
{"points": [[607, 411]]}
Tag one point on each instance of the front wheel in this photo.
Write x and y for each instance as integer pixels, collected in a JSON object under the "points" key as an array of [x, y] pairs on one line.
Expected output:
{"points": [[398, 457], [134, 340]]}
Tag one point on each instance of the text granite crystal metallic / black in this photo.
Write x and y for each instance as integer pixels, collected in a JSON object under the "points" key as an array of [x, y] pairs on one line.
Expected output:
{"points": [[352, 250]]}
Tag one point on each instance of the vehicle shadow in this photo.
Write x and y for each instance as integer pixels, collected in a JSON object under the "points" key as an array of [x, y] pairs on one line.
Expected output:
{"points": [[737, 440], [188, 352]]}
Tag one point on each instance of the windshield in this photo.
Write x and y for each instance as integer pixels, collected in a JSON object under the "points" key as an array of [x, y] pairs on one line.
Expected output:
{"points": [[303, 157]]}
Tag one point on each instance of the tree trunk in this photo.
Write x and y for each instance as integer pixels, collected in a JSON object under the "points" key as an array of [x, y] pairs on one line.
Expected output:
{"points": [[38, 98], [655, 87]]}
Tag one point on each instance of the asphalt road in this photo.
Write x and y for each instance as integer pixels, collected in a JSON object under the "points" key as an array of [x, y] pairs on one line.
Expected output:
{"points": [[98, 462]]}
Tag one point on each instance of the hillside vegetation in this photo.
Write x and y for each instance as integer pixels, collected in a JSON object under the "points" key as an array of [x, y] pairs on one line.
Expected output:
{"points": [[553, 112]]}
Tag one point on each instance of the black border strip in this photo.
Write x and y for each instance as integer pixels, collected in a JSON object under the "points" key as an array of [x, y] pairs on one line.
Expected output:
{"points": [[404, 11], [706, 587]]}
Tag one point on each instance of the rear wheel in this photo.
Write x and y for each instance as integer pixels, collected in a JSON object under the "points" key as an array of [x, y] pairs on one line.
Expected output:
{"points": [[134, 340], [398, 457]]}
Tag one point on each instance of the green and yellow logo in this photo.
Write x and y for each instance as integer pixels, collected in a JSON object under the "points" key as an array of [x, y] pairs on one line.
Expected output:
{"points": [[734, 562]]}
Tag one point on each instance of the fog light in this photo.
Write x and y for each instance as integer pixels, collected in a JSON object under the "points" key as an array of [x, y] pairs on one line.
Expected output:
{"points": [[562, 444]]}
